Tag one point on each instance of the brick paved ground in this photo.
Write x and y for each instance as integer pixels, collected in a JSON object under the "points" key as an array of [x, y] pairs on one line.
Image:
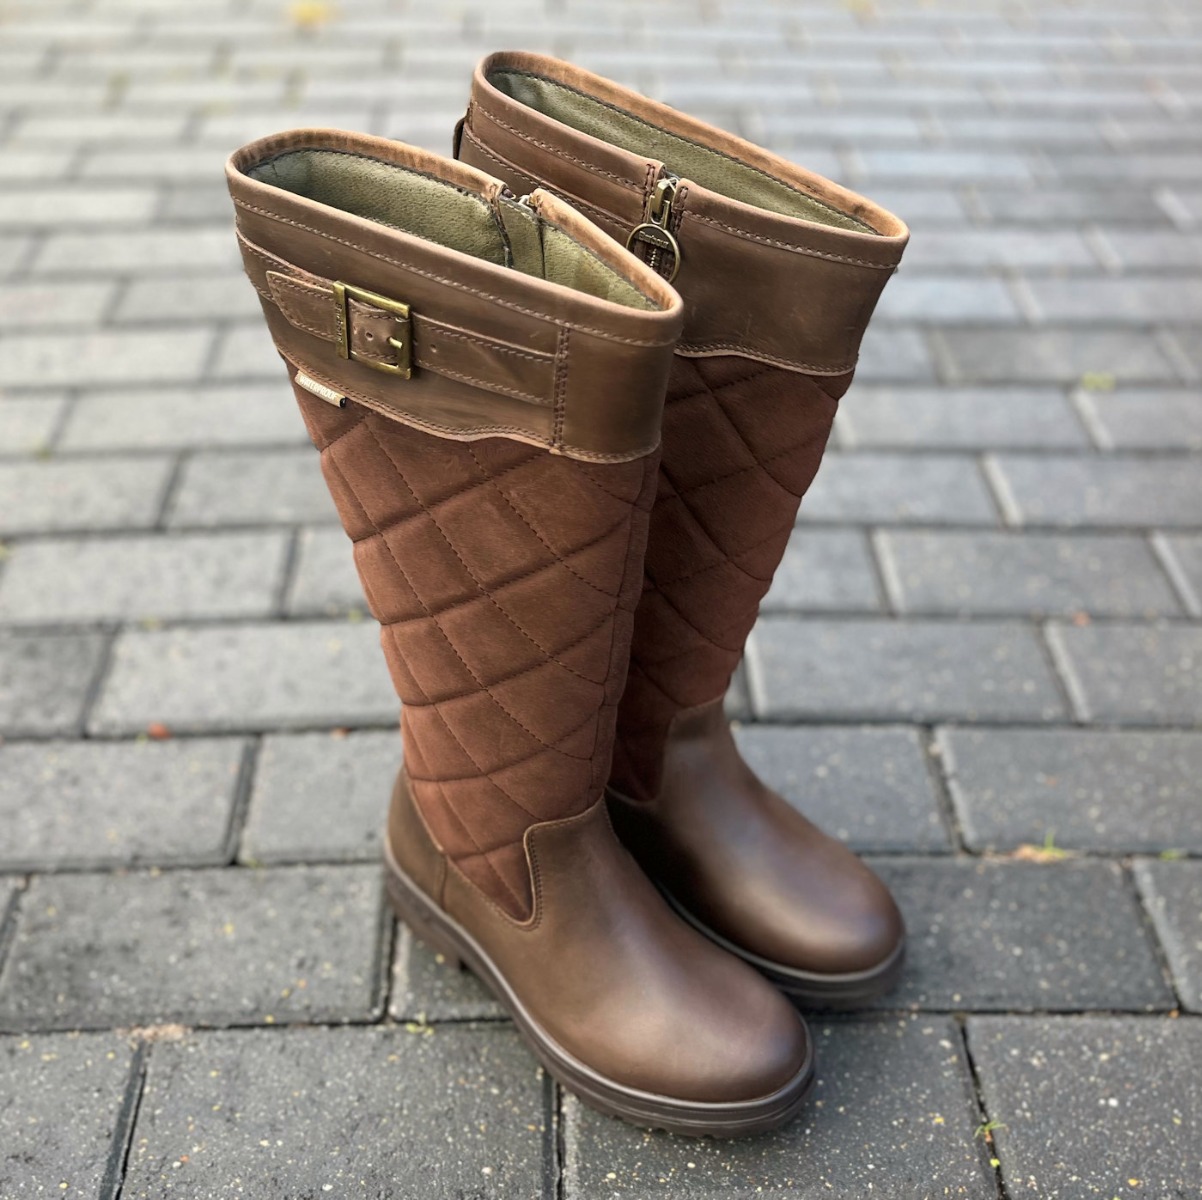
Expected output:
{"points": [[986, 636]]}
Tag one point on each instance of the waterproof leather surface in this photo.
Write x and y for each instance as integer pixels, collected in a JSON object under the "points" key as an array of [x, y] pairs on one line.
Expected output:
{"points": [[793, 288], [612, 974], [604, 355], [504, 579]]}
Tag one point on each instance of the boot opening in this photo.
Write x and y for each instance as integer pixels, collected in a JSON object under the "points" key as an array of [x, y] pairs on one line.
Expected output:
{"points": [[713, 169], [509, 234]]}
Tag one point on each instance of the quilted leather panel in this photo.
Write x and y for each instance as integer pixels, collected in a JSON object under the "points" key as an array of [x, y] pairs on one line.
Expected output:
{"points": [[505, 580], [741, 444]]}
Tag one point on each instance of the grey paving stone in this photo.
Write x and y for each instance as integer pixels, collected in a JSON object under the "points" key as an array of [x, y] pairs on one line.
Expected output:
{"points": [[365, 1112], [892, 1116], [957, 165], [220, 297], [1134, 674], [27, 424], [320, 796], [1172, 893], [882, 487], [1129, 300], [891, 354], [255, 676], [999, 248], [1047, 205], [1050, 355], [989, 936], [326, 581], [30, 305], [74, 205], [920, 418], [827, 570], [868, 669], [167, 418], [1089, 1104], [1185, 553], [185, 576], [425, 987], [61, 1115], [104, 357], [205, 947], [240, 487], [246, 352], [88, 804], [168, 164], [138, 252], [870, 787], [1000, 574], [1102, 490], [100, 127], [1136, 248], [1114, 791], [947, 298], [44, 681], [63, 494], [1145, 419]]}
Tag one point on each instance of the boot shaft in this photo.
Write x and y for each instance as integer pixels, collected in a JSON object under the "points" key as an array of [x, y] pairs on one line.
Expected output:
{"points": [[484, 381], [779, 271]]}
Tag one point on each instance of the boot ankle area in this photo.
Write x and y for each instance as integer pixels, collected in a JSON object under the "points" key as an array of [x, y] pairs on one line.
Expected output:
{"points": [[421, 288], [819, 255], [409, 844]]}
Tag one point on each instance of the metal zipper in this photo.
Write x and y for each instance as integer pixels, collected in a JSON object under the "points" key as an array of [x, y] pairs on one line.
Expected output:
{"points": [[662, 252]]}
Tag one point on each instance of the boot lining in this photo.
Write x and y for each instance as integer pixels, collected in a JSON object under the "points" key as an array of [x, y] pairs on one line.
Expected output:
{"points": [[711, 168], [513, 235]]}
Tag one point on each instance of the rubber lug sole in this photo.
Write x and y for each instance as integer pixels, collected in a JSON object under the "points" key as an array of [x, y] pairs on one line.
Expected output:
{"points": [[447, 937], [809, 989]]}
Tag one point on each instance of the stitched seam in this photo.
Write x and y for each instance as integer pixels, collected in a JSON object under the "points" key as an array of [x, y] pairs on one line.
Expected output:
{"points": [[487, 385], [488, 343], [560, 559], [434, 620], [517, 762], [678, 579], [452, 283], [681, 138], [546, 661], [450, 808], [565, 195], [556, 150], [561, 380], [806, 250], [742, 348], [471, 575]]}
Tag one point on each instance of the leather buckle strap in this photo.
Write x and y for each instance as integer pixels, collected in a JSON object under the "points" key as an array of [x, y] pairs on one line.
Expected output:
{"points": [[392, 337], [344, 293]]}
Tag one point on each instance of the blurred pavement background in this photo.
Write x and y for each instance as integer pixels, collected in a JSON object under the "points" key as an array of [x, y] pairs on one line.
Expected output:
{"points": [[981, 663]]}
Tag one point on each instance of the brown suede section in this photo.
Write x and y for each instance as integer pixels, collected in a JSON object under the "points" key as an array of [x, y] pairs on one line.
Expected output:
{"points": [[742, 442], [505, 580]]}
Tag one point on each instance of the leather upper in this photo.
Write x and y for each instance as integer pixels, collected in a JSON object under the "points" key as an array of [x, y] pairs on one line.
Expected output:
{"points": [[816, 277], [610, 972], [566, 347]]}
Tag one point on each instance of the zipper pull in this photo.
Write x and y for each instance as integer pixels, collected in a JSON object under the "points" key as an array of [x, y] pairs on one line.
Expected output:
{"points": [[662, 253]]}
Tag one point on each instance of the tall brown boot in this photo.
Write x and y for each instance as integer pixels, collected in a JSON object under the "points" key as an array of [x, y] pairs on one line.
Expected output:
{"points": [[484, 378], [779, 271]]}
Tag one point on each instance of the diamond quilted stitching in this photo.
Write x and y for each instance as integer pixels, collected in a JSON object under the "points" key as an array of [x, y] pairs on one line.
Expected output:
{"points": [[742, 442], [504, 581]]}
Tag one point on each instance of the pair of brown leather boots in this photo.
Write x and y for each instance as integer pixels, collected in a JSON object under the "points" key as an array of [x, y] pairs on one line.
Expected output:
{"points": [[568, 435]]}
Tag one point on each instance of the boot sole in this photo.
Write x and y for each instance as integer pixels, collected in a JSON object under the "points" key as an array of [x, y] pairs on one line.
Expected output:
{"points": [[442, 934], [809, 989]]}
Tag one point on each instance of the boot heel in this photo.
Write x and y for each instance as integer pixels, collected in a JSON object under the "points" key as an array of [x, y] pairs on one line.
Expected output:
{"points": [[409, 910]]}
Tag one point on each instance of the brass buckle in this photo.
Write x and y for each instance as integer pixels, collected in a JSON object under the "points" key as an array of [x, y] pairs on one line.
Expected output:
{"points": [[344, 293]]}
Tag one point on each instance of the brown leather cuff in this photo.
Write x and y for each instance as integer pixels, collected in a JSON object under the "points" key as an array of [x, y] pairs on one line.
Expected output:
{"points": [[445, 340], [782, 289]]}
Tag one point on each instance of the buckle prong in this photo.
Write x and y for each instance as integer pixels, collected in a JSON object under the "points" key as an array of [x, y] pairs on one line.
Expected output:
{"points": [[344, 293]]}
